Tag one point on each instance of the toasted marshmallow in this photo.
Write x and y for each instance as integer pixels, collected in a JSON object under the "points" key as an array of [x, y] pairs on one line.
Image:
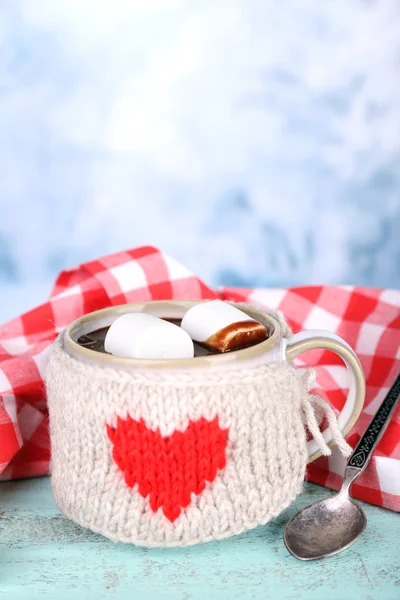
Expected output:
{"points": [[222, 327], [139, 335]]}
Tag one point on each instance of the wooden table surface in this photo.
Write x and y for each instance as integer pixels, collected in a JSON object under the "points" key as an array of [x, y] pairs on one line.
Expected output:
{"points": [[44, 555]]}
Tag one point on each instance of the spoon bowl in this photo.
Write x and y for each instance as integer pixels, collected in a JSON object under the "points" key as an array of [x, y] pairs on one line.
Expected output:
{"points": [[325, 528]]}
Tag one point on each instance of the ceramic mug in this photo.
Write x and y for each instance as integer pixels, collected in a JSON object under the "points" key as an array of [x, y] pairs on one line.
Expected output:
{"points": [[177, 452]]}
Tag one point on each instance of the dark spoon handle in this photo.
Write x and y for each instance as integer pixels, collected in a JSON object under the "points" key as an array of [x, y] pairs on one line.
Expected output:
{"points": [[375, 429]]}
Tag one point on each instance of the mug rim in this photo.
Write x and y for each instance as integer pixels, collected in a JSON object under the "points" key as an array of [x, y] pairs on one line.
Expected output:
{"points": [[213, 360]]}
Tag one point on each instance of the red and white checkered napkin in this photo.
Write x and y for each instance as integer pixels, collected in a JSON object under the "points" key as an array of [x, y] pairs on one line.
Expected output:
{"points": [[368, 319]]}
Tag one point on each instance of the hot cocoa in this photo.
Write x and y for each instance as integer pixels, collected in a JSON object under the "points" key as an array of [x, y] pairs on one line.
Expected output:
{"points": [[245, 337]]}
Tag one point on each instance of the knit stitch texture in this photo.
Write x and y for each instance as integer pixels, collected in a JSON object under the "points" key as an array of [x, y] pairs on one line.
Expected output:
{"points": [[172, 459]]}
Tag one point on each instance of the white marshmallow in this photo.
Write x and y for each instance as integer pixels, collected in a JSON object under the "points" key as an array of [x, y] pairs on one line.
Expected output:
{"points": [[139, 335], [204, 320]]}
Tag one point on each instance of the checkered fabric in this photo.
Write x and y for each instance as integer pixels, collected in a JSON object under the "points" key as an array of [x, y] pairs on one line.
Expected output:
{"points": [[368, 319]]}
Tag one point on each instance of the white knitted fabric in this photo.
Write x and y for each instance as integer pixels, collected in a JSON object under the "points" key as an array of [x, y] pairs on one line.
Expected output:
{"points": [[260, 411]]}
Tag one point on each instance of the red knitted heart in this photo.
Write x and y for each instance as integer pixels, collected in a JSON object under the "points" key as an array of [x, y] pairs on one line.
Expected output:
{"points": [[168, 469]]}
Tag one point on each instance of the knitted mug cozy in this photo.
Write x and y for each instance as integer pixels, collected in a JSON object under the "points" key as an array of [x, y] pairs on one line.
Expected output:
{"points": [[158, 458]]}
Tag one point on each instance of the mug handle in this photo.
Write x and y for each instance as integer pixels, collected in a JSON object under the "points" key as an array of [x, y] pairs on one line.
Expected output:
{"points": [[319, 339]]}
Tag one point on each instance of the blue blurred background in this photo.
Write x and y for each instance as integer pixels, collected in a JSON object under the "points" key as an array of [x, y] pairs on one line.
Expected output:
{"points": [[256, 141]]}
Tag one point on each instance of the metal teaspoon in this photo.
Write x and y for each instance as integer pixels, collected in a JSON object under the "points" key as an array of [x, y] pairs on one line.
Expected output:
{"points": [[332, 525]]}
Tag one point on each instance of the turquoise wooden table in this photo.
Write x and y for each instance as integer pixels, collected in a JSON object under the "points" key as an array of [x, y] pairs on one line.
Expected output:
{"points": [[44, 555]]}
